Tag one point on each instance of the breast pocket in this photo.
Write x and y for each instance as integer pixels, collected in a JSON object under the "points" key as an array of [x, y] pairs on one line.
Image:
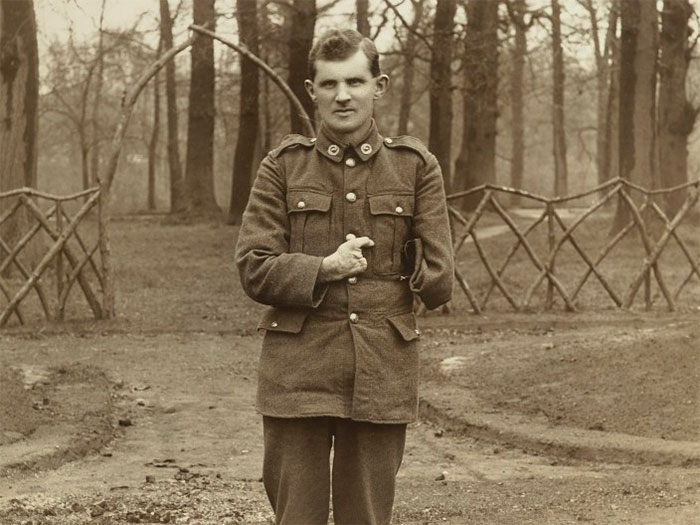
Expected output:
{"points": [[309, 217], [392, 218]]}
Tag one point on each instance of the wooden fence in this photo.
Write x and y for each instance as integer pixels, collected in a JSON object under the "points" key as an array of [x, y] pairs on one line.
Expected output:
{"points": [[588, 236], [47, 249]]}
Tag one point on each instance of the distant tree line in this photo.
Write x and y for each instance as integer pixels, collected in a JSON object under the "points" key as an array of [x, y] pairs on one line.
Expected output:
{"points": [[553, 97]]}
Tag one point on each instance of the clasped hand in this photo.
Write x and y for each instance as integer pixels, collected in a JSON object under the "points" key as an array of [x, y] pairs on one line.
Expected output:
{"points": [[346, 261]]}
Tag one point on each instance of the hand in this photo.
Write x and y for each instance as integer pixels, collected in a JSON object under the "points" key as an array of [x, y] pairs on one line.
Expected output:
{"points": [[346, 261]]}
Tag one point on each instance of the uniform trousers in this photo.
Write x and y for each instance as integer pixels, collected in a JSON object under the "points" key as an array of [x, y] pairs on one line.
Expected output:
{"points": [[297, 470]]}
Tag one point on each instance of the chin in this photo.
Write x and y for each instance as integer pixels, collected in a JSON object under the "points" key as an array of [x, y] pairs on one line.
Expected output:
{"points": [[345, 127]]}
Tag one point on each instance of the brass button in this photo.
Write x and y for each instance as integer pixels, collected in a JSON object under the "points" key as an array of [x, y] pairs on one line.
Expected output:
{"points": [[333, 149], [399, 209], [352, 280], [350, 237], [301, 205], [350, 163], [354, 318], [312, 140], [417, 331], [351, 197], [366, 148], [388, 140], [274, 324]]}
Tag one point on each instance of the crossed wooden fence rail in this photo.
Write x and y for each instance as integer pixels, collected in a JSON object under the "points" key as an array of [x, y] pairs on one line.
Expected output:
{"points": [[645, 216], [65, 244]]}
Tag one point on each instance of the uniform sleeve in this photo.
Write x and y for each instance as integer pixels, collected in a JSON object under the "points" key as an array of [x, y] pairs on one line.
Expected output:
{"points": [[433, 275], [268, 273]]}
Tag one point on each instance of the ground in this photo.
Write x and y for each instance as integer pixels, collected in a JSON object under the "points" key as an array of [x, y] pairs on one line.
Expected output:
{"points": [[150, 419]]}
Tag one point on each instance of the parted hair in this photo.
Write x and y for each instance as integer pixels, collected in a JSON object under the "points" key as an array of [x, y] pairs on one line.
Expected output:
{"points": [[339, 44]]}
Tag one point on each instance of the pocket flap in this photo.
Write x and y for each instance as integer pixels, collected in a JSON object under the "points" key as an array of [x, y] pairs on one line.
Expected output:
{"points": [[307, 200], [405, 325], [391, 205], [290, 320]]}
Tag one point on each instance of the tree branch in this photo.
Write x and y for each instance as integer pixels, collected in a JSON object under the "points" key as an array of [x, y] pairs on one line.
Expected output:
{"points": [[243, 50], [408, 26]]}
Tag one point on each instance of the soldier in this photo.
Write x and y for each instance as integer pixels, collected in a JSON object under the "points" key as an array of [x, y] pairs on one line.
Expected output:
{"points": [[340, 231]]}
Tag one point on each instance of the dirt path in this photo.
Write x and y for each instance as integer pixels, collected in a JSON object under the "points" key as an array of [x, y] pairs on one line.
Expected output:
{"points": [[192, 452]]}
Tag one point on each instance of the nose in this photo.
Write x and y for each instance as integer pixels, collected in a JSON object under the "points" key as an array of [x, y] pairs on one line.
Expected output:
{"points": [[343, 95]]}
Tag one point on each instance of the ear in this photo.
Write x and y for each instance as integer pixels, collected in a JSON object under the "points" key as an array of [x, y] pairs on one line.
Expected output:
{"points": [[381, 86], [310, 89]]}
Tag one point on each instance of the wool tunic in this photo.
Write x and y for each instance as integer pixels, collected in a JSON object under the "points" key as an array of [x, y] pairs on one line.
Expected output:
{"points": [[348, 348]]}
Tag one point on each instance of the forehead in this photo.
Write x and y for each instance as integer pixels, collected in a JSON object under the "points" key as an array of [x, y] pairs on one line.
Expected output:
{"points": [[353, 66]]}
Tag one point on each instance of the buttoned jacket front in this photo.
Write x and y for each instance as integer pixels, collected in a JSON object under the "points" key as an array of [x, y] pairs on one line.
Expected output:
{"points": [[348, 348]]}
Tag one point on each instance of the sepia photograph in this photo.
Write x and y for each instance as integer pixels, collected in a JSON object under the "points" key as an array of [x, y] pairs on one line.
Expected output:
{"points": [[351, 262]]}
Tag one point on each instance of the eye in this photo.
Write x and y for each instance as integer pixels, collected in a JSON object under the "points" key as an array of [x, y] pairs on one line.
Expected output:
{"points": [[355, 82], [328, 84]]}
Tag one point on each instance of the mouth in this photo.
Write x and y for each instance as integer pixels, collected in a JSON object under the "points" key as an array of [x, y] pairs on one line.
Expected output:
{"points": [[344, 111]]}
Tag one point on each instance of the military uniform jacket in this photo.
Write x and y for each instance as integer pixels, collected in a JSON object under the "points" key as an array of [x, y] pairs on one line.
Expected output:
{"points": [[347, 348]]}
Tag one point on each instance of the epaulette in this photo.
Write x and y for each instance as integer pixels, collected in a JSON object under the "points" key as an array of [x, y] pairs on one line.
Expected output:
{"points": [[408, 142], [290, 142]]}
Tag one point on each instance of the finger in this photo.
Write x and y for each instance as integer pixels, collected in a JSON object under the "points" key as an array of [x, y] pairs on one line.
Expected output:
{"points": [[350, 237], [362, 242]]}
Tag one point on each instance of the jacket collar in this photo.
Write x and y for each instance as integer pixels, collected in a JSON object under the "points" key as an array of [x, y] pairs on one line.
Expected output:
{"points": [[334, 149]]}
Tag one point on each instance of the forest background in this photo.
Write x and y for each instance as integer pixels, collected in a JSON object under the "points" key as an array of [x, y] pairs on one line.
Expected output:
{"points": [[523, 93]]}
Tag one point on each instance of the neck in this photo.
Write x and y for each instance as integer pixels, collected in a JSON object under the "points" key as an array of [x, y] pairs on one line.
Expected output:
{"points": [[353, 138]]}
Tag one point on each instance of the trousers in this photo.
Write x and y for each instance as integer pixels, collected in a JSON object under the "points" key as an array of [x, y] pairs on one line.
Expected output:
{"points": [[299, 480]]}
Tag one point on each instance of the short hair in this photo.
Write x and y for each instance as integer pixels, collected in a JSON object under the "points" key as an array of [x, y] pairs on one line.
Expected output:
{"points": [[339, 44]]}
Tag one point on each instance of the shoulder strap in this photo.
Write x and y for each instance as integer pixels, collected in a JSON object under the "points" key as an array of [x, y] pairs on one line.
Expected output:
{"points": [[291, 142], [410, 143]]}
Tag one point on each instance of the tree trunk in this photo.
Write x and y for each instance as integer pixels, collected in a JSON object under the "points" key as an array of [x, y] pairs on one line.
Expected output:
{"points": [[153, 142], [99, 56], [441, 86], [85, 163], [676, 114], [561, 175], [248, 103], [602, 60], [637, 103], [409, 52], [19, 95], [199, 169], [178, 201], [301, 23], [517, 104], [266, 54], [608, 91], [611, 158], [476, 163], [362, 7]]}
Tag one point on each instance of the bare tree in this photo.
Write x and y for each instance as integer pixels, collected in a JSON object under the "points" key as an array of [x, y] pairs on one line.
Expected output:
{"points": [[153, 141], [517, 9], [637, 98], [441, 85], [676, 114], [558, 129], [19, 94], [75, 110], [199, 169], [247, 16], [362, 8], [602, 53], [177, 195], [96, 101], [409, 56], [301, 23], [611, 155], [638, 89], [476, 163]]}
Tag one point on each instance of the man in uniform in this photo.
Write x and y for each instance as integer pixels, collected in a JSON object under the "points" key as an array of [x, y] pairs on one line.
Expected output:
{"points": [[340, 232]]}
